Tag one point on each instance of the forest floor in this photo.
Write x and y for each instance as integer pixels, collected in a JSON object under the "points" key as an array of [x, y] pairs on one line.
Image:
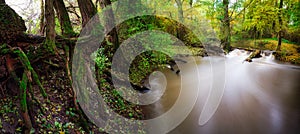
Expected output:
{"points": [[58, 115]]}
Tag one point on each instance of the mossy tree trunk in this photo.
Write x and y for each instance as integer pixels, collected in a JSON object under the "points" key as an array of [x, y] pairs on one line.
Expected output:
{"points": [[50, 26], [110, 23], [64, 19], [280, 26], [28, 76], [42, 19], [225, 39], [12, 28]]}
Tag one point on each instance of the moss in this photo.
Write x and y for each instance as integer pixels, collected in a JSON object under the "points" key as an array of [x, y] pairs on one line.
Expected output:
{"points": [[4, 49], [26, 63], [50, 46], [23, 87]]}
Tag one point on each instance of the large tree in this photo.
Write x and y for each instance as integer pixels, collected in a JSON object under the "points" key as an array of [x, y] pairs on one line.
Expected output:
{"points": [[280, 26], [225, 39], [50, 25], [42, 19]]}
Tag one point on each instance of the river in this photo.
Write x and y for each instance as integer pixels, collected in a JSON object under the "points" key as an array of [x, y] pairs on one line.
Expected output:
{"points": [[261, 97]]}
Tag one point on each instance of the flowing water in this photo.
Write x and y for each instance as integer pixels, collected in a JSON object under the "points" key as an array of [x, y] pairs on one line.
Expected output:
{"points": [[261, 97]]}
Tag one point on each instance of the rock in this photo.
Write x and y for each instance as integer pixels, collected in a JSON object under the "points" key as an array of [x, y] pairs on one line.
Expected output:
{"points": [[11, 24]]}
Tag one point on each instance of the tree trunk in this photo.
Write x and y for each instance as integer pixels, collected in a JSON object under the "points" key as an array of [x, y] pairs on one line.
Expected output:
{"points": [[226, 27], [50, 26], [64, 19], [191, 3], [110, 23], [87, 10], [42, 19], [180, 11], [2, 1], [180, 18], [280, 26]]}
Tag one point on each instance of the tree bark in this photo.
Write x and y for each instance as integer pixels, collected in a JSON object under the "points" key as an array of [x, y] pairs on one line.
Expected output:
{"points": [[42, 19], [180, 11], [191, 3], [64, 19], [50, 26], [87, 10], [2, 1], [226, 27], [280, 26], [180, 33], [110, 23]]}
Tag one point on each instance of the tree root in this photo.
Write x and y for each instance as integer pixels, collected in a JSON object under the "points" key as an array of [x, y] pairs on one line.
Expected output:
{"points": [[28, 76]]}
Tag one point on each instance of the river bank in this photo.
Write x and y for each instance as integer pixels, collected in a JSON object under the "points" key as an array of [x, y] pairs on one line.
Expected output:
{"points": [[290, 52]]}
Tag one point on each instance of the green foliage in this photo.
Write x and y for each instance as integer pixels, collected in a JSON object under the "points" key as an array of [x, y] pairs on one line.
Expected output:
{"points": [[101, 60], [50, 46], [23, 90], [144, 64], [4, 49], [261, 18], [57, 26], [294, 14]]}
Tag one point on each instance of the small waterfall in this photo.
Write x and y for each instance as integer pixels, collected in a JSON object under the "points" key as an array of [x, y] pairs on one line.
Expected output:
{"points": [[238, 52], [268, 55]]}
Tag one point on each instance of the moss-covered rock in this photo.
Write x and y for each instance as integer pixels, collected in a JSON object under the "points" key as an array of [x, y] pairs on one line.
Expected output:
{"points": [[11, 24]]}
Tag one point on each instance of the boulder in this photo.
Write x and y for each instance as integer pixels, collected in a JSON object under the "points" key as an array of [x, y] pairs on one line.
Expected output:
{"points": [[11, 24]]}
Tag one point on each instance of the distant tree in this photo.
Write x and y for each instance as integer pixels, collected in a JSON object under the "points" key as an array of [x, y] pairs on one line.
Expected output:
{"points": [[180, 31], [261, 18], [280, 26], [42, 19], [180, 11], [110, 23], [64, 19], [87, 10]]}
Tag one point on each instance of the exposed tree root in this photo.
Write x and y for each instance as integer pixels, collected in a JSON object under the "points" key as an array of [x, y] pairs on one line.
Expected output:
{"points": [[28, 76]]}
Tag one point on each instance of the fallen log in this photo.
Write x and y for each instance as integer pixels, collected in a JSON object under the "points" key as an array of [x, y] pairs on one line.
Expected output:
{"points": [[255, 54]]}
